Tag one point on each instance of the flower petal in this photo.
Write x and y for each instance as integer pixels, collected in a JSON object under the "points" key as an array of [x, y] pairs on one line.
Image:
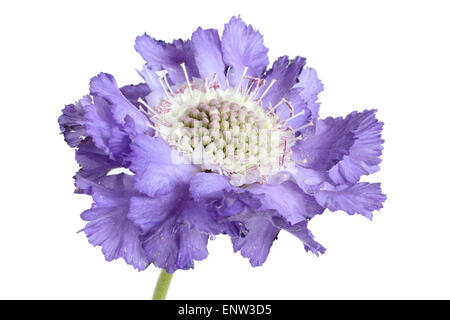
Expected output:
{"points": [[104, 130], [94, 162], [303, 99], [104, 85], [255, 244], [301, 231], [71, 122], [364, 155], [173, 249], [160, 55], [176, 228], [310, 86], [323, 145], [308, 180], [134, 92], [150, 213], [158, 168], [208, 55], [362, 198], [157, 93], [242, 47], [262, 228], [285, 72], [208, 186], [287, 199], [109, 226]]}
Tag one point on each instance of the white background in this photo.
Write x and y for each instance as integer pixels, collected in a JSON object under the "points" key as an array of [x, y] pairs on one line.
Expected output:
{"points": [[392, 55]]}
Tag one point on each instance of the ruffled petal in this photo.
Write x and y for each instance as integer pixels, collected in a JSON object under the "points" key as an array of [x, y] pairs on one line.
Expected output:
{"points": [[104, 85], [285, 73], [287, 199], [134, 92], [301, 231], [109, 226], [309, 180], [149, 213], [256, 242], [94, 162], [208, 186], [303, 99], [325, 144], [208, 55], [259, 231], [362, 198], [176, 228], [104, 130], [173, 249], [242, 47], [71, 122], [157, 93], [364, 155], [310, 86], [164, 56], [158, 167], [278, 207]]}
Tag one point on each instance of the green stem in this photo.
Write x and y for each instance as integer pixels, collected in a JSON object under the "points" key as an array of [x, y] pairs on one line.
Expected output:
{"points": [[162, 285]]}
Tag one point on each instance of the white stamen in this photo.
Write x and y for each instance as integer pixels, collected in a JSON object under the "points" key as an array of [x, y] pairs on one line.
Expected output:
{"points": [[268, 88], [226, 77], [304, 161], [250, 87], [153, 127], [160, 79], [310, 124], [140, 100], [295, 116], [272, 109], [242, 78], [183, 66], [214, 78], [293, 139], [206, 85], [279, 104], [164, 75], [259, 84]]}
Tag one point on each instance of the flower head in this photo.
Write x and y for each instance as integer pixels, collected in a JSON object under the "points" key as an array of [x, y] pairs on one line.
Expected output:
{"points": [[217, 142]]}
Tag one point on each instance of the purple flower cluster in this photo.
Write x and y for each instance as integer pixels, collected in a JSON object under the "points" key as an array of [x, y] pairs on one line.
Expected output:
{"points": [[215, 142]]}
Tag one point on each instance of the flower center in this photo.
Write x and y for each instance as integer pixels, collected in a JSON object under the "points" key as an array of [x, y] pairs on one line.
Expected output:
{"points": [[225, 131]]}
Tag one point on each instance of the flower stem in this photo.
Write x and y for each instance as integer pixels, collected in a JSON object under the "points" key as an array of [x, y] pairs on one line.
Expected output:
{"points": [[162, 285]]}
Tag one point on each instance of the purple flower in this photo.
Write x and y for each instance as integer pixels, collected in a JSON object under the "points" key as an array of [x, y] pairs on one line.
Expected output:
{"points": [[215, 142]]}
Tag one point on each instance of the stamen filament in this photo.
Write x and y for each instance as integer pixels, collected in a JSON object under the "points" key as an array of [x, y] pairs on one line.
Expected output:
{"points": [[160, 79], [183, 66], [268, 88], [153, 127], [250, 87], [310, 124], [140, 100], [242, 78], [295, 116], [164, 75], [227, 80]]}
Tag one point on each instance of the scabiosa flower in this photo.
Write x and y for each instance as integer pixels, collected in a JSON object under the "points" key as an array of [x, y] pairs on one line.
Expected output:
{"points": [[216, 142]]}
